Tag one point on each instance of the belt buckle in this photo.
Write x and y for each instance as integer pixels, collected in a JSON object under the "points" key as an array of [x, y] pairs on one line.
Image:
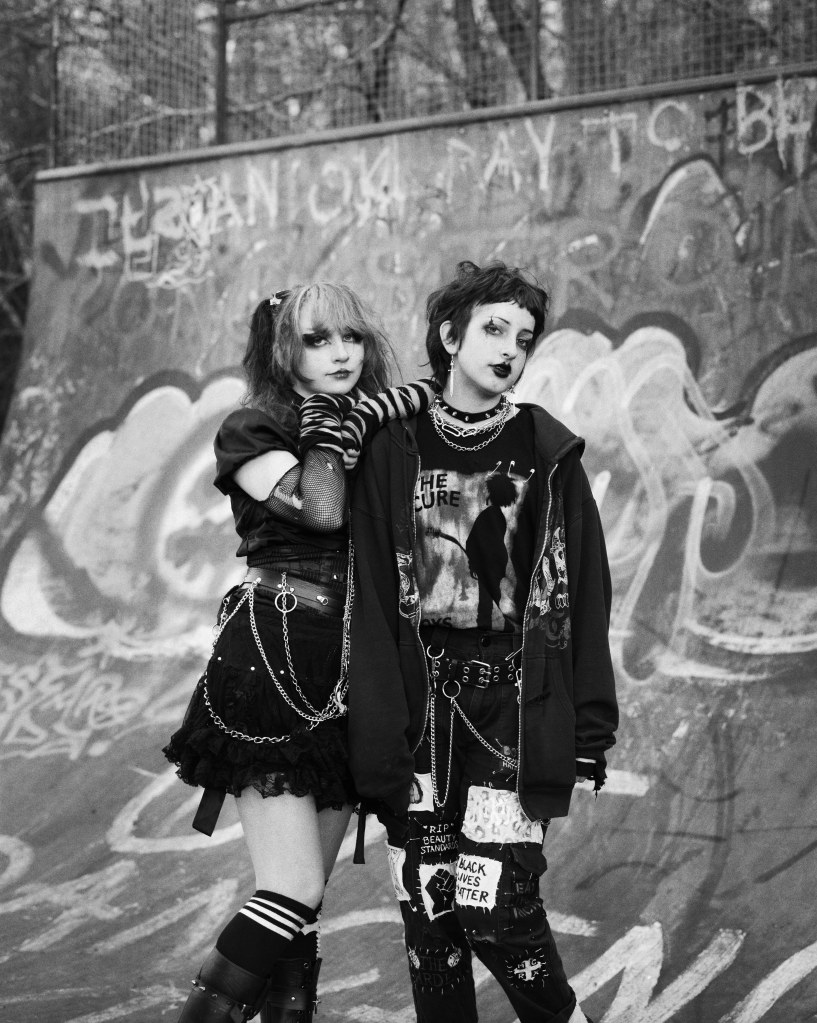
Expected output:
{"points": [[282, 597], [484, 678]]}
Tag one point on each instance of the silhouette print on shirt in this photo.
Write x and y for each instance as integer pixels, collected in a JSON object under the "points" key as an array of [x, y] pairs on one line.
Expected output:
{"points": [[466, 525]]}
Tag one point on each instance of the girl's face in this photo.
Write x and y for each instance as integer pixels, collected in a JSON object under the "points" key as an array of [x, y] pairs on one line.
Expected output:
{"points": [[331, 359], [491, 355]]}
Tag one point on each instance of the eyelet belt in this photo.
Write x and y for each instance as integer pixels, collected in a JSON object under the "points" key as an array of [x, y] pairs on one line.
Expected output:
{"points": [[480, 674], [293, 592]]}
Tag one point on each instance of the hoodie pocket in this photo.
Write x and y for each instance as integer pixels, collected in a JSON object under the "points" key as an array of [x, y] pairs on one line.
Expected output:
{"points": [[550, 728]]}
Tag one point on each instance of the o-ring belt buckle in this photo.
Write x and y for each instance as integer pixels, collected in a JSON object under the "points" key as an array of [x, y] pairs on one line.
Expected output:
{"points": [[451, 696], [281, 598]]}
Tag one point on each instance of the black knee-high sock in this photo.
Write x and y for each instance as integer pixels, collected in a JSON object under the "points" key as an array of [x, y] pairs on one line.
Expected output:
{"points": [[262, 930], [307, 943]]}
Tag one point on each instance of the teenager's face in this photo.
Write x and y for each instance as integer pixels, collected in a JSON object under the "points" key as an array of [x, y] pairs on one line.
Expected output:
{"points": [[332, 358], [491, 355]]}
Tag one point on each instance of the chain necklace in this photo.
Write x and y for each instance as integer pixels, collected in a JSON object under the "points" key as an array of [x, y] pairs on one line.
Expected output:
{"points": [[335, 708], [445, 428]]}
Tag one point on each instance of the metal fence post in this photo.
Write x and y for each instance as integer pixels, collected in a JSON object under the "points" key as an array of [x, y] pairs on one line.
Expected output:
{"points": [[533, 87], [54, 89], [221, 73]]}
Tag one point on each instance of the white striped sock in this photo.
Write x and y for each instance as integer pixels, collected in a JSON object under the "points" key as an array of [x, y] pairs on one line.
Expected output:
{"points": [[274, 917]]}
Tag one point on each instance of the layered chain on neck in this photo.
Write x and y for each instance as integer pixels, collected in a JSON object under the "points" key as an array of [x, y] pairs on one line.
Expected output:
{"points": [[450, 432]]}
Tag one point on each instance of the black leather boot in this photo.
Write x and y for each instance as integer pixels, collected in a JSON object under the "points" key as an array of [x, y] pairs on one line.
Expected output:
{"points": [[223, 993], [293, 994]]}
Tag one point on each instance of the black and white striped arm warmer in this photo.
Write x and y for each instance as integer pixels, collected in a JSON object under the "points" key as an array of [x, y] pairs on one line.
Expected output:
{"points": [[369, 414], [319, 421]]}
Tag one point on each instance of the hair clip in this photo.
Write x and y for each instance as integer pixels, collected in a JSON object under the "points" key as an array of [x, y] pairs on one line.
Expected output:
{"points": [[278, 298]]}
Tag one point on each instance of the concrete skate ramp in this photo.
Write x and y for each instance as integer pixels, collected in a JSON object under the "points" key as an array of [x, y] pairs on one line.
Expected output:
{"points": [[679, 238]]}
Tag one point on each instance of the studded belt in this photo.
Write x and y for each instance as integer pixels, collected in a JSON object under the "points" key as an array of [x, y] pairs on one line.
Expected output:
{"points": [[479, 674], [293, 592]]}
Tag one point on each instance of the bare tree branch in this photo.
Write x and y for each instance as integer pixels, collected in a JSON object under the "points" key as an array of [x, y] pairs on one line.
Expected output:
{"points": [[516, 35], [270, 12]]}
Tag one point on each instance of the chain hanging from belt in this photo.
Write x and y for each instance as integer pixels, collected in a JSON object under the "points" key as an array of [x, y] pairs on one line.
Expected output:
{"points": [[336, 707], [510, 763]]}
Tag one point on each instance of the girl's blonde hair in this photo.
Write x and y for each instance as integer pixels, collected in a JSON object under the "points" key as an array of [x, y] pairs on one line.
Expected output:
{"points": [[275, 344]]}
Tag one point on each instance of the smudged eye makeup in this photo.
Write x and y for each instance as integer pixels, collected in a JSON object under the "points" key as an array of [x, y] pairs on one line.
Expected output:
{"points": [[322, 335], [524, 340]]}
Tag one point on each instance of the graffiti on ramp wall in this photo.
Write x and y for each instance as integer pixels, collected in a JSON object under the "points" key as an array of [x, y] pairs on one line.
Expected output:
{"points": [[679, 241]]}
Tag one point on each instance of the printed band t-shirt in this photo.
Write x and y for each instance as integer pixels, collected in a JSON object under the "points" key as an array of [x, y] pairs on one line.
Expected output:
{"points": [[475, 513]]}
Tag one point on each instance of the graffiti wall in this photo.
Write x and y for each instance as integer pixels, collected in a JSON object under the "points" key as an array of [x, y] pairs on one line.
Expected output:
{"points": [[678, 238]]}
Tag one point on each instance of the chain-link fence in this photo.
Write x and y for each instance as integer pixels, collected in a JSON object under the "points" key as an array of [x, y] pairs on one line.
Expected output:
{"points": [[139, 77]]}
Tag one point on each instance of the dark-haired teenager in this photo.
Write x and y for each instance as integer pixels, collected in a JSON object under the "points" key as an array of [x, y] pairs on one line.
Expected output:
{"points": [[266, 722], [482, 602]]}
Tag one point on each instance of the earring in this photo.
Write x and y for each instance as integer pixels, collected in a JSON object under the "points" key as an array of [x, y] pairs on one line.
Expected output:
{"points": [[451, 378]]}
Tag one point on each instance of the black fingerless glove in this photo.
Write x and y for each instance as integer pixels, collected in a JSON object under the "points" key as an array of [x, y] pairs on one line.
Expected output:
{"points": [[592, 771]]}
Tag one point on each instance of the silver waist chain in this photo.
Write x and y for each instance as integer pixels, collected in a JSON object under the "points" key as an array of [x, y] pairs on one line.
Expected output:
{"points": [[511, 763], [336, 706]]}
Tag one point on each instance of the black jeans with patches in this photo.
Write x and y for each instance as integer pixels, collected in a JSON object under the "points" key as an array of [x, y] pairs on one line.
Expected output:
{"points": [[468, 877]]}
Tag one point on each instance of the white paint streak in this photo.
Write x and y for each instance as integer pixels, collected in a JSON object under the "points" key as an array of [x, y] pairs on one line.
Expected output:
{"points": [[43, 996], [360, 918], [564, 923], [121, 834], [372, 1014], [623, 783], [215, 902], [346, 983], [790, 972], [152, 996], [638, 954], [639, 957], [20, 856], [718, 956], [89, 898]]}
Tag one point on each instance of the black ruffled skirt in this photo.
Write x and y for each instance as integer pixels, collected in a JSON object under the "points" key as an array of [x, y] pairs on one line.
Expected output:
{"points": [[243, 696]]}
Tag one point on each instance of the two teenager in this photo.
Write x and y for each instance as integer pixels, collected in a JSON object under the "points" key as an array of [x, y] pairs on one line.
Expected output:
{"points": [[478, 587]]}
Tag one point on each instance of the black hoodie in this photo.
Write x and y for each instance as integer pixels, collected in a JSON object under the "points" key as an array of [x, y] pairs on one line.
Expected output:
{"points": [[567, 699]]}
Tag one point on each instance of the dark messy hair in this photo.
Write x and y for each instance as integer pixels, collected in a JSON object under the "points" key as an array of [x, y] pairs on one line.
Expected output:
{"points": [[275, 344], [475, 286]]}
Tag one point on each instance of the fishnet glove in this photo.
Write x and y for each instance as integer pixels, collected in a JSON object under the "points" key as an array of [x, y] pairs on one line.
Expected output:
{"points": [[313, 493], [369, 414]]}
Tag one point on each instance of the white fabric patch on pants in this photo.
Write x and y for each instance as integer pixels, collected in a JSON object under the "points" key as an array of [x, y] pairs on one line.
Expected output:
{"points": [[421, 799], [437, 888], [495, 815], [477, 881], [397, 859]]}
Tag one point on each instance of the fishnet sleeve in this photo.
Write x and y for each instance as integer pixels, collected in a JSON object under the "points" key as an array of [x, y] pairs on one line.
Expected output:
{"points": [[312, 493]]}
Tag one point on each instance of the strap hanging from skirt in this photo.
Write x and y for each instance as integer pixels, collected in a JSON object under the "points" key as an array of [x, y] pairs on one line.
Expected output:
{"points": [[210, 806]]}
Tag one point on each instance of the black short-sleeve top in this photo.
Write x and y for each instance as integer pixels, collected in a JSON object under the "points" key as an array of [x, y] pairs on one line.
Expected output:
{"points": [[245, 434]]}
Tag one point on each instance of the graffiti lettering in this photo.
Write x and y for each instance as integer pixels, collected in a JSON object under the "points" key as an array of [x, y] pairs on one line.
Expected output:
{"points": [[781, 113]]}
